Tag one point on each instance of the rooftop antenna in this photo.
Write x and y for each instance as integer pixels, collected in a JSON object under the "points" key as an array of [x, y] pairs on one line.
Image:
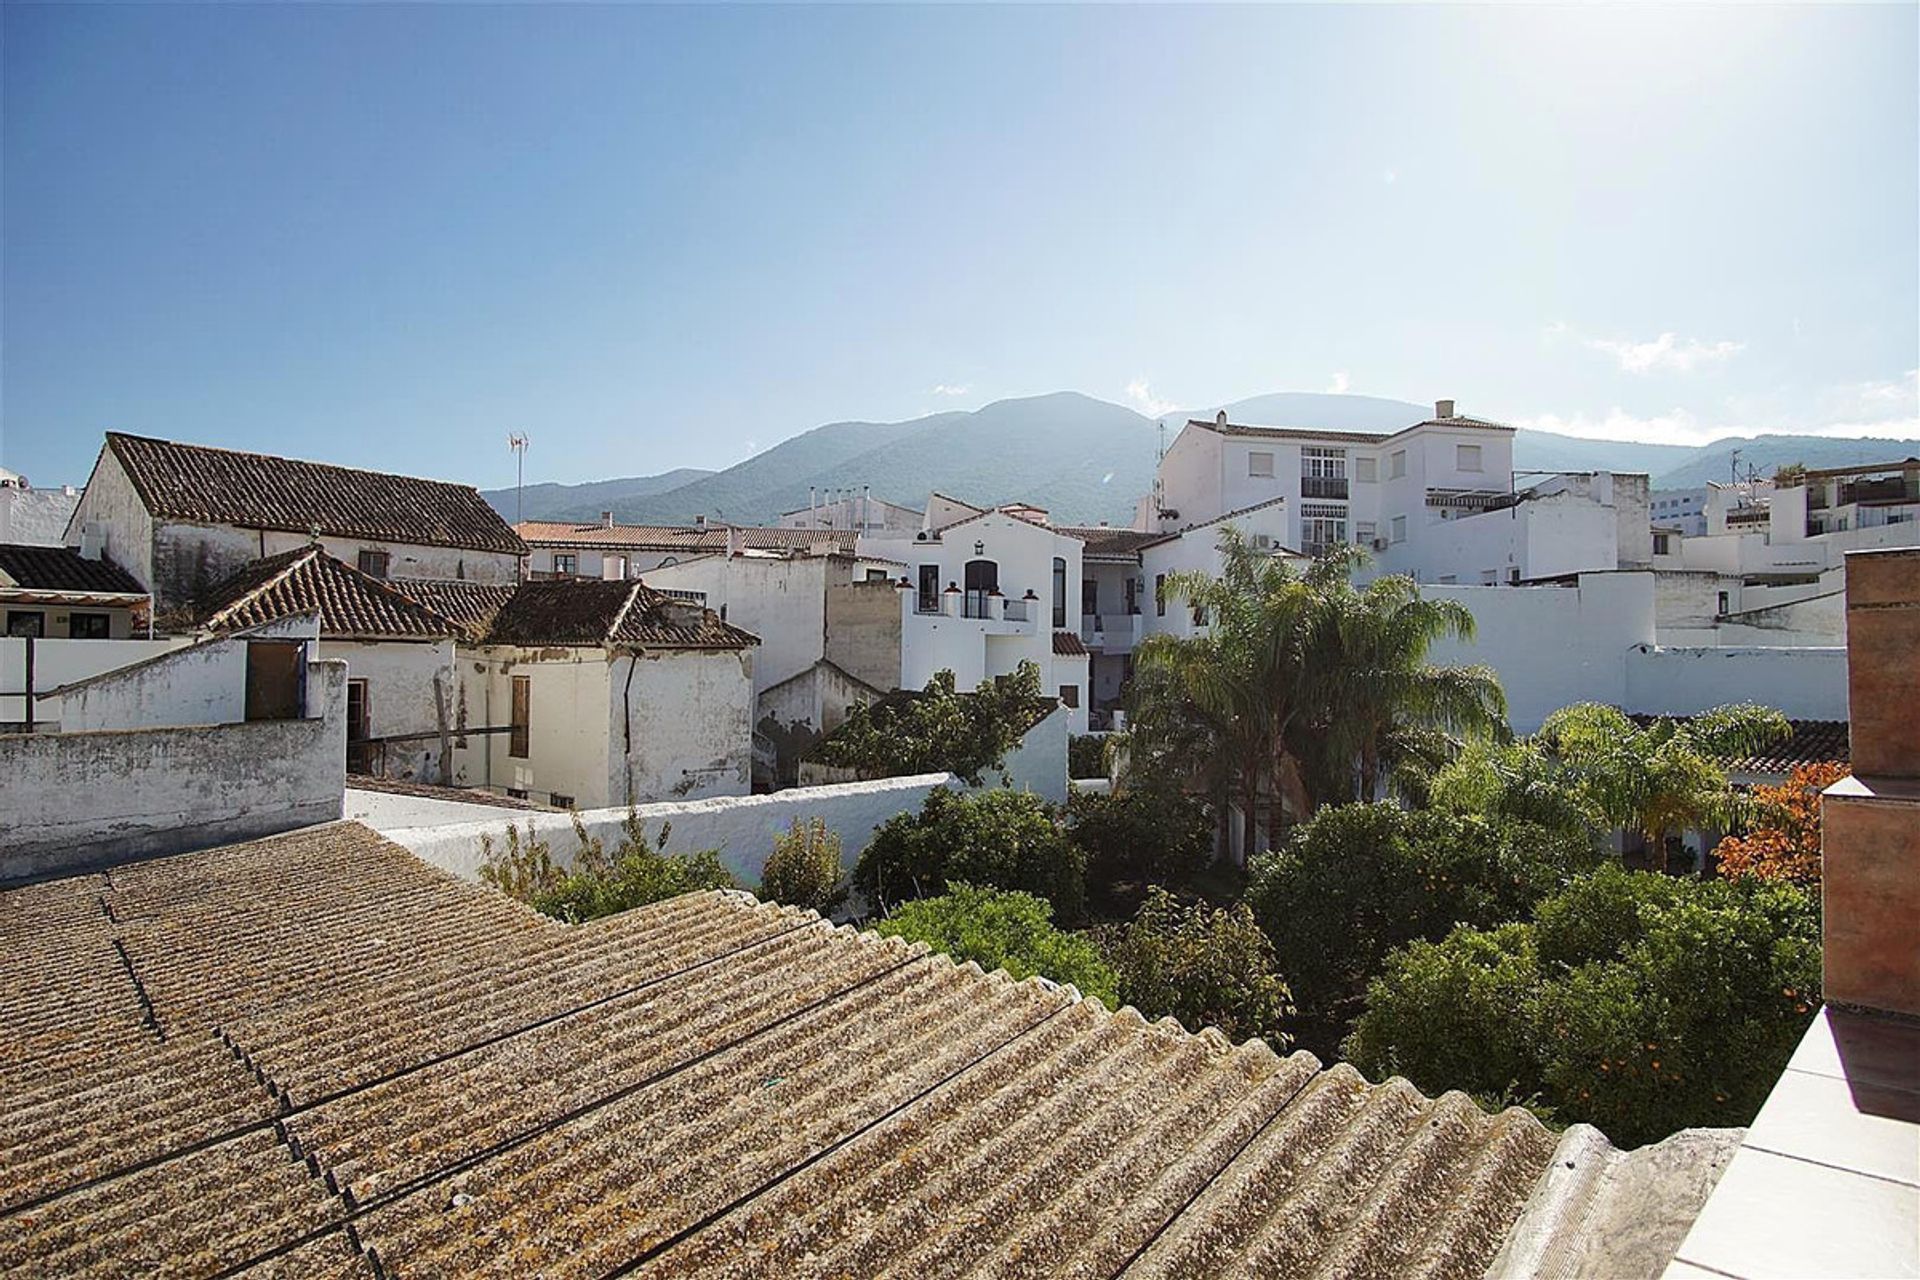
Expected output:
{"points": [[518, 442], [1734, 462]]}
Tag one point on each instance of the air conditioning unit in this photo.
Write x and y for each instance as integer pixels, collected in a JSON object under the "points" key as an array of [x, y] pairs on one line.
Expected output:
{"points": [[1379, 544], [1262, 542]]}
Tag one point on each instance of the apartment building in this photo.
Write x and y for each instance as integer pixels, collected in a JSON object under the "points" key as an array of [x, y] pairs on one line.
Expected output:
{"points": [[1437, 499]]}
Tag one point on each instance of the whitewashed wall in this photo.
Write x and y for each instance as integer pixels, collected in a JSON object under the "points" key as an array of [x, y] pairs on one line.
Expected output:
{"points": [[189, 684], [400, 696], [36, 517], [691, 722], [70, 801], [112, 503], [741, 827], [780, 600], [1804, 683], [1039, 763], [58, 662]]}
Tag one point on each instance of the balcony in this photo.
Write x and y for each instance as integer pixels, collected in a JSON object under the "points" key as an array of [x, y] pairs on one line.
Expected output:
{"points": [[1110, 632], [1323, 486]]}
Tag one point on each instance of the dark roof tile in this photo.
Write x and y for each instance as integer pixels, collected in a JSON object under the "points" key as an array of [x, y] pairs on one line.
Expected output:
{"points": [[580, 611], [63, 569], [472, 605], [351, 604]]}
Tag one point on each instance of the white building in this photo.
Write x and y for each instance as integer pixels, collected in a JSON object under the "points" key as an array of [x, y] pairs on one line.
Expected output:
{"points": [[984, 591], [181, 518], [608, 552], [34, 517], [1684, 511], [855, 509], [589, 694], [1436, 500]]}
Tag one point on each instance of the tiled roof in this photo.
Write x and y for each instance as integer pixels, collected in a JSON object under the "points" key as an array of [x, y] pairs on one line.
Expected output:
{"points": [[580, 611], [351, 604], [62, 569], [313, 1055], [683, 538], [1222, 518], [1067, 645], [1120, 546], [1812, 742], [1346, 437], [472, 605], [260, 491]]}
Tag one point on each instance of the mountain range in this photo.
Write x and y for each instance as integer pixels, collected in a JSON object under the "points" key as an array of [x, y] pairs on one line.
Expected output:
{"points": [[1087, 460]]}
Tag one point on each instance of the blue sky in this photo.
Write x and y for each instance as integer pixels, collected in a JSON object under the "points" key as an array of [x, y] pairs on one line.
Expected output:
{"points": [[658, 237]]}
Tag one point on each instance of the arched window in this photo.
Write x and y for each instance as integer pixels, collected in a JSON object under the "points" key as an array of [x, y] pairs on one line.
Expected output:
{"points": [[982, 579], [1059, 592]]}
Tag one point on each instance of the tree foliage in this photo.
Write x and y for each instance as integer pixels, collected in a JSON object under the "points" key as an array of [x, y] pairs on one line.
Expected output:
{"points": [[803, 870], [939, 729], [1359, 880], [598, 883], [1205, 965], [1002, 929], [1139, 834], [1636, 1002], [999, 839], [1784, 843], [1087, 755]]}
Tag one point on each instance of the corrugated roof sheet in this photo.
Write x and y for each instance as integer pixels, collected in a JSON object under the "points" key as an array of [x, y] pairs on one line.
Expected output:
{"points": [[351, 604], [259, 491], [313, 1055], [580, 611], [62, 569]]}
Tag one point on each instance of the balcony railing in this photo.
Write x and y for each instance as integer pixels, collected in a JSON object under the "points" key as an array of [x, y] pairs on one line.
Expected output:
{"points": [[1323, 486], [1017, 610]]}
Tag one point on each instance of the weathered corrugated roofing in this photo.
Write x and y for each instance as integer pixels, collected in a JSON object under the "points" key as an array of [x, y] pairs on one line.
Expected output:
{"points": [[260, 491], [687, 539], [473, 605], [62, 569], [580, 611], [351, 604], [314, 1055]]}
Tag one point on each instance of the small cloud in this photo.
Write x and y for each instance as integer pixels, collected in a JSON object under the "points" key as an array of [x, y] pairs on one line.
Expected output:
{"points": [[1668, 353], [1142, 398], [1555, 330], [1390, 177], [942, 389], [1340, 383], [1676, 426]]}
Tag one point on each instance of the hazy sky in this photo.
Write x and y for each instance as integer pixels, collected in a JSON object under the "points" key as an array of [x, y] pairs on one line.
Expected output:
{"points": [[655, 237]]}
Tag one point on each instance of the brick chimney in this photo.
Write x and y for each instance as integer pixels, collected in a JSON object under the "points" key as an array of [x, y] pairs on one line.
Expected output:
{"points": [[1443, 409], [606, 519], [1870, 822]]}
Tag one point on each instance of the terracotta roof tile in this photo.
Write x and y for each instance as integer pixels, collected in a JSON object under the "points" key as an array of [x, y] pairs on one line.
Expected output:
{"points": [[351, 604], [472, 605], [579, 611], [313, 1053], [259, 491], [62, 569], [683, 538], [1103, 543], [1067, 645]]}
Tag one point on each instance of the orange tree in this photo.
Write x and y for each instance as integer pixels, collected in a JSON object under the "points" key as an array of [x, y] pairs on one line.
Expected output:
{"points": [[1785, 843]]}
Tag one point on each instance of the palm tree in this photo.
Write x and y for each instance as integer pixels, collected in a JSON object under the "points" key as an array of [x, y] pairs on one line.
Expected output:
{"points": [[1665, 776]]}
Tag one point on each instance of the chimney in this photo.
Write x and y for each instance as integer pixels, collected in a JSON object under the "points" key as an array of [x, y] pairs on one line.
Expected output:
{"points": [[1220, 419], [700, 522], [1870, 822], [606, 519], [1443, 409]]}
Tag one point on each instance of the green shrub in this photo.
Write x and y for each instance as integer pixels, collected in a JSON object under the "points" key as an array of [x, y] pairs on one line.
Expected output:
{"points": [[637, 873], [1204, 965], [998, 929], [938, 729], [997, 839], [1636, 1002], [1359, 880], [1087, 755], [804, 868], [1140, 834]]}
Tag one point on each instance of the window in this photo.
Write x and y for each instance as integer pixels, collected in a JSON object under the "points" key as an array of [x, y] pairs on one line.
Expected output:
{"points": [[615, 568], [1723, 602], [1059, 591], [1133, 595], [1199, 615], [1365, 531], [1260, 464], [927, 598], [1069, 695], [1160, 594], [876, 575], [566, 562], [1467, 457], [275, 671], [26, 622], [1089, 597], [1328, 464], [1397, 464], [1513, 575], [1366, 470], [359, 755], [1660, 544], [89, 626], [559, 801], [1399, 528], [373, 563], [982, 582], [521, 720], [1321, 526]]}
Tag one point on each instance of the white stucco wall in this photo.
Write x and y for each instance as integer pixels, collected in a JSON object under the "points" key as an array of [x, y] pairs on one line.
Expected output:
{"points": [[400, 678], [741, 827], [69, 801], [780, 600], [1804, 683], [185, 684], [388, 811], [111, 503], [568, 729], [691, 717], [36, 517], [1039, 763], [58, 662]]}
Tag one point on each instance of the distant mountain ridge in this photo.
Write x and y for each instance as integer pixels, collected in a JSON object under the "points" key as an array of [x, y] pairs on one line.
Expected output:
{"points": [[1087, 460]]}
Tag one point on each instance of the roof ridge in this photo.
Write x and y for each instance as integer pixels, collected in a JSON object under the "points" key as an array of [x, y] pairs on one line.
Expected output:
{"points": [[293, 560]]}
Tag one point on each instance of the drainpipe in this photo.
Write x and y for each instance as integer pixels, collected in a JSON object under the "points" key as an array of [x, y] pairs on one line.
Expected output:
{"points": [[626, 725]]}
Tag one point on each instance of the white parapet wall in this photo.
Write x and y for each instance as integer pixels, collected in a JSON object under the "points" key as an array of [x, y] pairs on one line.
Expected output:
{"points": [[73, 801], [742, 828], [1802, 683]]}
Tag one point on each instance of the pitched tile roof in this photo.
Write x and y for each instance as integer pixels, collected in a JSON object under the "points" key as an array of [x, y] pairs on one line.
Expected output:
{"points": [[62, 569], [1067, 645], [259, 491], [686, 539], [313, 1055], [579, 611], [1813, 742], [1348, 437], [1106, 545], [351, 604], [471, 605]]}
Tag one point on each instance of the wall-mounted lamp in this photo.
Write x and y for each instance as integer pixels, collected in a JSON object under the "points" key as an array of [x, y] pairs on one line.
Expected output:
{"points": [[979, 548]]}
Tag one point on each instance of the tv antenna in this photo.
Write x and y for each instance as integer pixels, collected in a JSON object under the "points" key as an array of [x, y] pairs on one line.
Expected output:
{"points": [[518, 442]]}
